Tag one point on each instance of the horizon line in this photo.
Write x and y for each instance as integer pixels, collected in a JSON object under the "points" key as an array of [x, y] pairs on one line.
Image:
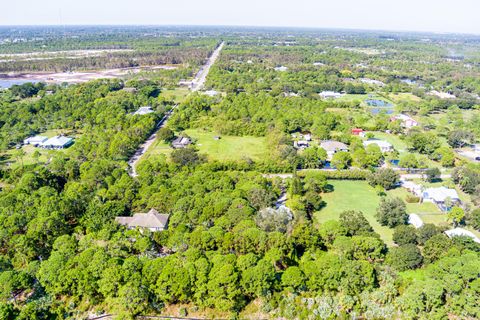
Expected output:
{"points": [[246, 26]]}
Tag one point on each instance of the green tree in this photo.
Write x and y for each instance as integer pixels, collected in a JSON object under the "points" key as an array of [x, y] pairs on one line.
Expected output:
{"points": [[341, 160], [405, 234], [293, 279], [456, 215], [404, 257], [392, 212]]}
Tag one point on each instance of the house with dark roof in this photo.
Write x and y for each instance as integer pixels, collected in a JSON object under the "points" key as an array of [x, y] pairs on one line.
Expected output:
{"points": [[152, 220], [181, 142]]}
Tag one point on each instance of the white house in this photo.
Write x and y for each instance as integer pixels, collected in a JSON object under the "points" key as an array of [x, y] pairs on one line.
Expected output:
{"points": [[143, 110], [57, 142], [440, 195], [330, 94], [384, 145], [459, 232], [36, 140], [333, 147], [406, 121]]}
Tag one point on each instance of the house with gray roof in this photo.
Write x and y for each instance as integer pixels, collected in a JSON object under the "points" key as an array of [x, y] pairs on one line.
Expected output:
{"points": [[332, 147], [152, 220], [181, 142]]}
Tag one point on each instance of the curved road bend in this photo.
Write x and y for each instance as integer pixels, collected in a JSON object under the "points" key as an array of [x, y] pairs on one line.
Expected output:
{"points": [[197, 84]]}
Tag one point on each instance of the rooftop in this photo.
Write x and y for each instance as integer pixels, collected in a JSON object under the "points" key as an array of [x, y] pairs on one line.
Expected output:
{"points": [[152, 220], [441, 194], [331, 145]]}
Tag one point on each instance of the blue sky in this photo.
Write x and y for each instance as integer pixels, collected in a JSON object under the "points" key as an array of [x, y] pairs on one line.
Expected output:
{"points": [[415, 15]]}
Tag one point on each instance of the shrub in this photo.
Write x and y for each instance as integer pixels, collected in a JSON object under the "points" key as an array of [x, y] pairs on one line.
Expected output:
{"points": [[410, 198]]}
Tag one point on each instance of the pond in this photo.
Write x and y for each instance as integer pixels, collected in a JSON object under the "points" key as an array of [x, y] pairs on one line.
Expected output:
{"points": [[7, 83], [379, 106], [378, 103]]}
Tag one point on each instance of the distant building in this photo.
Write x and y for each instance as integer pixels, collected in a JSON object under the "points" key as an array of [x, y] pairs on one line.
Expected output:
{"points": [[405, 120], [281, 68], [57, 142], [36, 140], [318, 64], [302, 144], [384, 145], [357, 131], [143, 110], [330, 95], [442, 95], [211, 93], [181, 142], [372, 81], [333, 147], [459, 232], [130, 89], [152, 221], [440, 195]]}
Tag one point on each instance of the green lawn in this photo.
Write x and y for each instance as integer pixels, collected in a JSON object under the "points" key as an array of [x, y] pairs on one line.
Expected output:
{"points": [[224, 149], [353, 195], [177, 94], [228, 147]]}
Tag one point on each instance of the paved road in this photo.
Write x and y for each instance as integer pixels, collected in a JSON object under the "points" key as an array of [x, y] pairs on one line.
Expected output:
{"points": [[144, 147], [201, 77], [197, 84]]}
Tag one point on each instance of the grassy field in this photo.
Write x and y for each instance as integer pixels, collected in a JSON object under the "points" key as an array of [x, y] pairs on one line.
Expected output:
{"points": [[226, 148], [399, 97], [178, 94], [353, 195]]}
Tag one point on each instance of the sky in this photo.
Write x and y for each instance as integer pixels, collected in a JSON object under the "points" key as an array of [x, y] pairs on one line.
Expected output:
{"points": [[459, 16]]}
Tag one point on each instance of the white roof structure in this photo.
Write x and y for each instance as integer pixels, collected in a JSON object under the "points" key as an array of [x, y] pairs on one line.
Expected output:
{"points": [[57, 142], [415, 220], [384, 145], [372, 81], [281, 68], [330, 94], [440, 194], [441, 95], [143, 110], [211, 93], [460, 232], [35, 140]]}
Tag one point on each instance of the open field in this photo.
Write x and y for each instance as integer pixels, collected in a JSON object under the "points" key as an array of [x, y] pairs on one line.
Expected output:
{"points": [[177, 94], [229, 147], [225, 149]]}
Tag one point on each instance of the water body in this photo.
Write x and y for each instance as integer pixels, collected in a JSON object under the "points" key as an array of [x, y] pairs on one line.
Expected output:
{"points": [[7, 83], [379, 106]]}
